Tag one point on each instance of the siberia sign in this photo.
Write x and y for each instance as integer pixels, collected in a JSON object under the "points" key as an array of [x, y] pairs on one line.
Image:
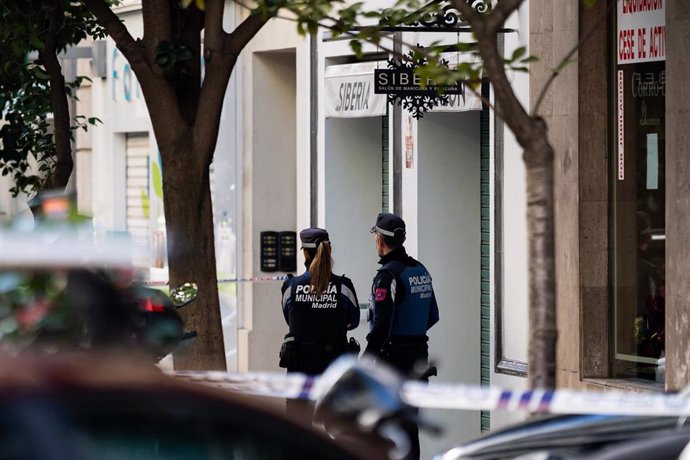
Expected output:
{"points": [[364, 90], [350, 92], [353, 96], [403, 86], [405, 82]]}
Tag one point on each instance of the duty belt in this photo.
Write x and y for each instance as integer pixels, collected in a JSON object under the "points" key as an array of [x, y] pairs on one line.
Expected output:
{"points": [[323, 347]]}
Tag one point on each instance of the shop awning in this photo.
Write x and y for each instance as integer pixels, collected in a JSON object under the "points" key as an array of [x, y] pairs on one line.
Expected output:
{"points": [[349, 93]]}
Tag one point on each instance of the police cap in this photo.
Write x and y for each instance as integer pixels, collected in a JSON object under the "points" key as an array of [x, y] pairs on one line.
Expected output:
{"points": [[389, 225], [311, 237]]}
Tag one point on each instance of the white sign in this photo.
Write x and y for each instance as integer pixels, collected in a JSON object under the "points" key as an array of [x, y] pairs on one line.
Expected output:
{"points": [[641, 31], [349, 91], [460, 103]]}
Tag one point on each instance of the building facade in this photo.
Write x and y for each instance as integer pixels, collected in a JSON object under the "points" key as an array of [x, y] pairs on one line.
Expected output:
{"points": [[621, 195], [289, 158], [455, 176]]}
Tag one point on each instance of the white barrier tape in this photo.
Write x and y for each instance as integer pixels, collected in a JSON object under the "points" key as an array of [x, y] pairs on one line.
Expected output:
{"points": [[223, 280], [452, 396], [464, 397], [291, 386]]}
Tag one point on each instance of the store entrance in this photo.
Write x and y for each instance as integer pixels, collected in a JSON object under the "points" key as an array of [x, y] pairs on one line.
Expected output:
{"points": [[449, 161]]}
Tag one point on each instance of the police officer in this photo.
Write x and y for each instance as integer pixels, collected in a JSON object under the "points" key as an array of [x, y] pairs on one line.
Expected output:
{"points": [[319, 308], [402, 306]]}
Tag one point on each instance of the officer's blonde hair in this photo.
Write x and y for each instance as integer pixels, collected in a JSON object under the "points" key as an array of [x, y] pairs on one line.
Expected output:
{"points": [[321, 267]]}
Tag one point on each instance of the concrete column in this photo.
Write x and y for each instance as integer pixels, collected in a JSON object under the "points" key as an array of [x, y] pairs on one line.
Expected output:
{"points": [[677, 194], [593, 172], [553, 33]]}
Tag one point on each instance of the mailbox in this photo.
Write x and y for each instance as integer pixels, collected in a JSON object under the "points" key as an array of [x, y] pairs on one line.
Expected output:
{"points": [[287, 250], [269, 251], [278, 251]]}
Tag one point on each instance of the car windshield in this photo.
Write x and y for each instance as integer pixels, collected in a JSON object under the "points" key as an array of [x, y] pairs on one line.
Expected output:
{"points": [[126, 424]]}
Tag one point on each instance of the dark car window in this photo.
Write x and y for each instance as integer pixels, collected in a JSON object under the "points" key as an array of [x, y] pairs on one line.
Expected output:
{"points": [[152, 425], [179, 442]]}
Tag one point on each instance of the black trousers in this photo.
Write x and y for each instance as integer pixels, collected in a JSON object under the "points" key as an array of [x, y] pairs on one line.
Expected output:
{"points": [[310, 360], [410, 356]]}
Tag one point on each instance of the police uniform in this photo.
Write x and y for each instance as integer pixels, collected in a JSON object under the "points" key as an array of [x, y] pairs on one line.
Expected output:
{"points": [[402, 308], [318, 323]]}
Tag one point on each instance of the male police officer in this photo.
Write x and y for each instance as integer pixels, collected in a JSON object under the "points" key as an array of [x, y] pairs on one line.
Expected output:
{"points": [[402, 306]]}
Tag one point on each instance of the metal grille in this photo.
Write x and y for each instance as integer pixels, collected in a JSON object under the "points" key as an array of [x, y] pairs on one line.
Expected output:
{"points": [[385, 164], [137, 190], [485, 264]]}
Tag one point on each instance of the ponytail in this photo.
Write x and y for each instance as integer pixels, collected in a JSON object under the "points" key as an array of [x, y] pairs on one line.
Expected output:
{"points": [[321, 267]]}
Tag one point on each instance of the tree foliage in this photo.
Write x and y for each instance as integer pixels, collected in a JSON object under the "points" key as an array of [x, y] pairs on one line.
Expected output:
{"points": [[185, 112], [485, 20], [36, 128]]}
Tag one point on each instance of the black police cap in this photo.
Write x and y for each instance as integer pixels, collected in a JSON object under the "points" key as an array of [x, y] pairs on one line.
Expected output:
{"points": [[389, 224], [311, 237]]}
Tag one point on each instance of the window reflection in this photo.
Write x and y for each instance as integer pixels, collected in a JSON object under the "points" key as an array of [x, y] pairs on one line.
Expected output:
{"points": [[638, 220]]}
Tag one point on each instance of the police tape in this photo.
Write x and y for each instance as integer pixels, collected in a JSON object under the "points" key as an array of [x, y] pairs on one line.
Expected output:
{"points": [[461, 396], [223, 280]]}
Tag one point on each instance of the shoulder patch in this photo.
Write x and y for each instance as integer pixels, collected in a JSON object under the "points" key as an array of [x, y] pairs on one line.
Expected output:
{"points": [[380, 294]]}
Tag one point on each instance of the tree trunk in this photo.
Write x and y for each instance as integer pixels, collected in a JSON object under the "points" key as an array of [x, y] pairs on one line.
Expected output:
{"points": [[64, 163], [191, 253], [540, 224]]}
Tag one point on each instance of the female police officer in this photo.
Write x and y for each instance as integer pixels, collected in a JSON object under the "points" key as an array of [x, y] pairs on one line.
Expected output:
{"points": [[319, 308]]}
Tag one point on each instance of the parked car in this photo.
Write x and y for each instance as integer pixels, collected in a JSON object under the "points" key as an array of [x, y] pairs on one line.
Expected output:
{"points": [[107, 408], [611, 437]]}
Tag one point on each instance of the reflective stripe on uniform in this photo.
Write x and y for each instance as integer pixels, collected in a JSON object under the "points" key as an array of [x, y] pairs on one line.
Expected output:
{"points": [[286, 295], [384, 232], [347, 292]]}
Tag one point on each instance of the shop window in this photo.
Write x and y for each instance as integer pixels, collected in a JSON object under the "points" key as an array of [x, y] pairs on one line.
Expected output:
{"points": [[638, 220]]}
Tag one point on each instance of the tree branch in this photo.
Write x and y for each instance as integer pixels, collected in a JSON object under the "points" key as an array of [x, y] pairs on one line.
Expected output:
{"points": [[238, 39], [64, 163], [161, 99], [127, 45], [500, 14], [486, 28], [156, 15], [214, 35], [219, 66]]}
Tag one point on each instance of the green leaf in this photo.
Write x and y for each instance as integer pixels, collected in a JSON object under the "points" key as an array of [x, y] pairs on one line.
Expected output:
{"points": [[40, 73], [356, 46], [36, 42], [518, 53]]}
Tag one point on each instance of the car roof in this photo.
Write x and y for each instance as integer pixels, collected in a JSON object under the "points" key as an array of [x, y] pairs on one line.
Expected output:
{"points": [[560, 432], [92, 388]]}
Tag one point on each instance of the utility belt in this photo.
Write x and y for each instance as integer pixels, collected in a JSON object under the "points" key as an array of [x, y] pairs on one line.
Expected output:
{"points": [[292, 351], [408, 339], [414, 344]]}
